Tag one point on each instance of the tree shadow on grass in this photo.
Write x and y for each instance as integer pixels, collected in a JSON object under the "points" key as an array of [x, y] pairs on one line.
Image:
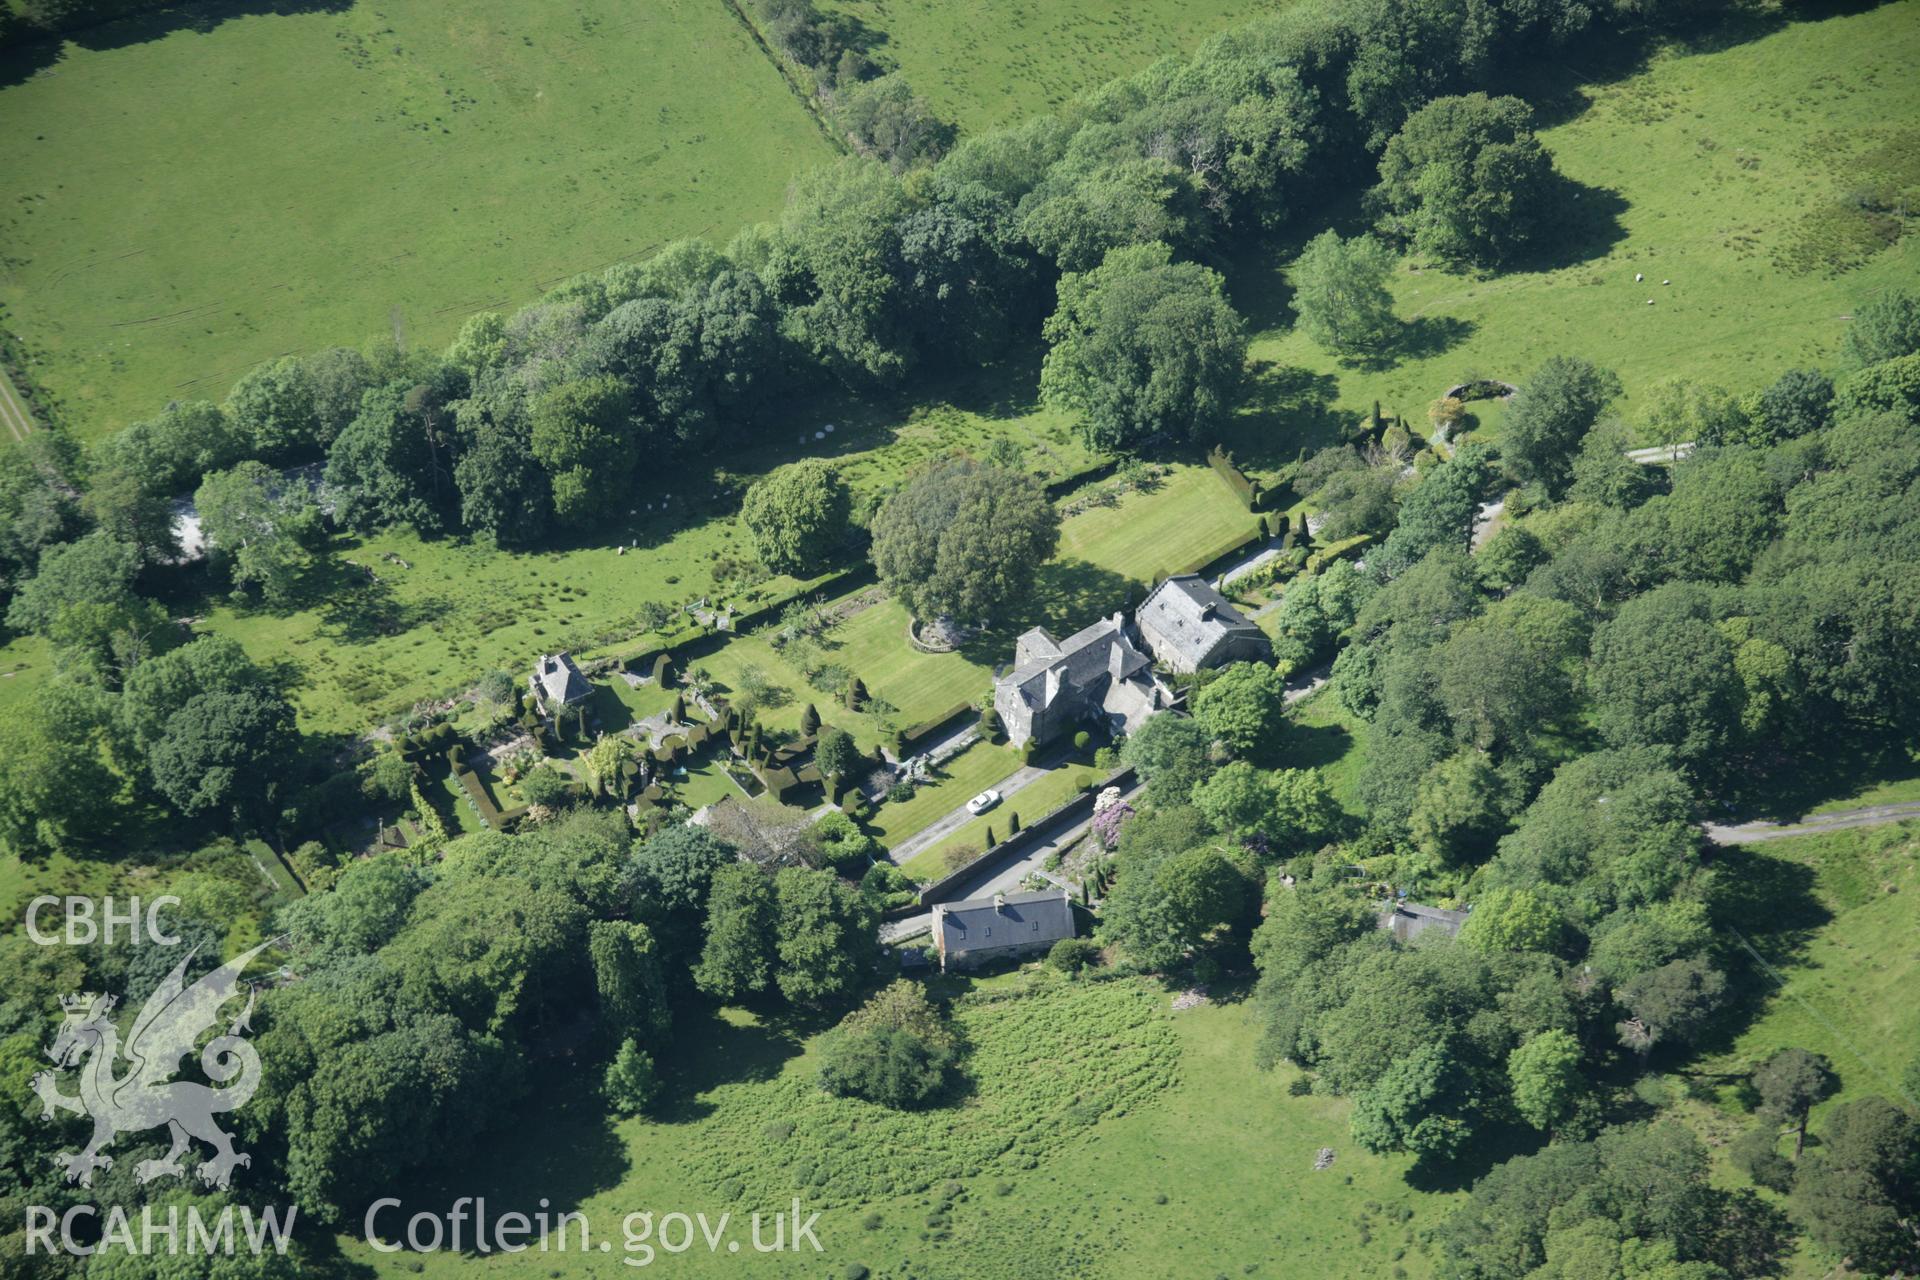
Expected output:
{"points": [[32, 51], [605, 706], [1492, 1144], [712, 1050], [1766, 911], [551, 1153], [1008, 387], [1313, 746], [1581, 223], [1424, 337], [1066, 595], [1795, 783], [1283, 410], [1770, 900], [1417, 339], [361, 610]]}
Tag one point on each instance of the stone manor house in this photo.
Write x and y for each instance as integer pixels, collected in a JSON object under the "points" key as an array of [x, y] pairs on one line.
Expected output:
{"points": [[1099, 676]]}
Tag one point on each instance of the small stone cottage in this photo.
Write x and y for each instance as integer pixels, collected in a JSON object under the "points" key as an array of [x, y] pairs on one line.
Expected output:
{"points": [[1004, 926], [556, 682]]}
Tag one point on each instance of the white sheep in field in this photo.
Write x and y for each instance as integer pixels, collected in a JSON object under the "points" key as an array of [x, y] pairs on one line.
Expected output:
{"points": [[1638, 277]]}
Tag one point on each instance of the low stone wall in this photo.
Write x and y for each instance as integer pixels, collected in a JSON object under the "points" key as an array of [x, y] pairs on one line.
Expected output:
{"points": [[948, 888]]}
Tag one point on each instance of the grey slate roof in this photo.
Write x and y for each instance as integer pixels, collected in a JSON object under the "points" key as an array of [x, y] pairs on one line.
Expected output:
{"points": [[1409, 920], [1189, 613], [1081, 659], [1020, 918], [558, 680]]}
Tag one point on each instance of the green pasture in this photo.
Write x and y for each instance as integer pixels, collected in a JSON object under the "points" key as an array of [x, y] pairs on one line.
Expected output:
{"points": [[1729, 172], [181, 207], [1836, 981], [1828, 918], [24, 663], [984, 63], [1098, 1134]]}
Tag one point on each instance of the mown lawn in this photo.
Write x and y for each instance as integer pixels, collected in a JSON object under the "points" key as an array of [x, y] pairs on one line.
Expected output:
{"points": [[1100, 1134], [1032, 802], [1153, 533], [958, 781], [1725, 172], [183, 207]]}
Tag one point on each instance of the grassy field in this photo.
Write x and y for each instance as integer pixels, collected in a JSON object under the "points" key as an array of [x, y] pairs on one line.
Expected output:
{"points": [[1724, 172], [1832, 917], [1838, 988], [984, 63], [1099, 1135], [180, 208], [1322, 734]]}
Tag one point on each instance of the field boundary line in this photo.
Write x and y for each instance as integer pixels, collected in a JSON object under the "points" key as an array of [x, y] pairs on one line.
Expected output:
{"points": [[13, 410], [806, 100]]}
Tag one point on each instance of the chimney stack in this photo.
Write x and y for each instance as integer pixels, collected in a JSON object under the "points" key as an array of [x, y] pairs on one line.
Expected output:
{"points": [[999, 902]]}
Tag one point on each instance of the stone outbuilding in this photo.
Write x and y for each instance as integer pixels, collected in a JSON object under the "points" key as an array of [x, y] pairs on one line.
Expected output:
{"points": [[1004, 926], [557, 683], [1188, 626], [1408, 921]]}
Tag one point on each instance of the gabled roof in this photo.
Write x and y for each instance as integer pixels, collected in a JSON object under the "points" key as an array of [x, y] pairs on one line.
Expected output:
{"points": [[1191, 615], [1014, 919], [1081, 659], [558, 680], [1409, 920]]}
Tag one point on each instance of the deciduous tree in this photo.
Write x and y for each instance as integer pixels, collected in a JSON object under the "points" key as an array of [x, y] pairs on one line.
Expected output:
{"points": [[798, 516], [1144, 346]]}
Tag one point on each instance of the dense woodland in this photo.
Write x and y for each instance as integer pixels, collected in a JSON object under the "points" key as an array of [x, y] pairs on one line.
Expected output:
{"points": [[1547, 718]]}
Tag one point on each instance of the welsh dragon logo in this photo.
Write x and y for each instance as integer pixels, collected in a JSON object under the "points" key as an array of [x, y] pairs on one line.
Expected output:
{"points": [[146, 1096]]}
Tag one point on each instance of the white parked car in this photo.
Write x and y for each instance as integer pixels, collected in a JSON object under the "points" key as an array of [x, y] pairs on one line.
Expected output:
{"points": [[983, 802]]}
